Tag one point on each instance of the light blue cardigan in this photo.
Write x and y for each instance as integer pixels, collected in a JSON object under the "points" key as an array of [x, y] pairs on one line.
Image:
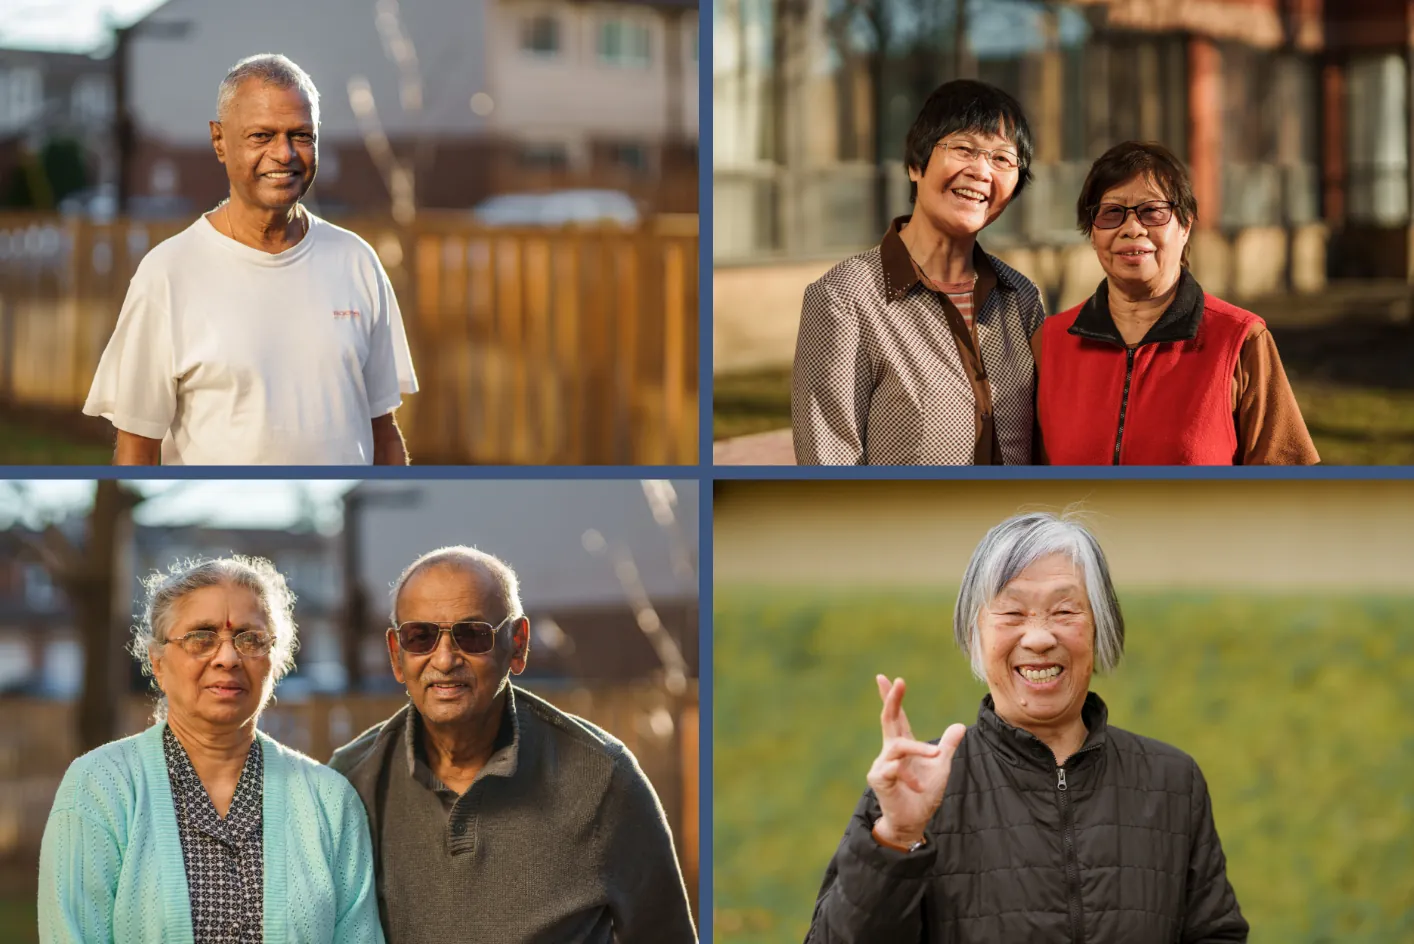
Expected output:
{"points": [[111, 868]]}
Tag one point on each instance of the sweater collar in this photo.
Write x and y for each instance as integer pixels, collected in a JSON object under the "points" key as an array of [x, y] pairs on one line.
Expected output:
{"points": [[1021, 747], [505, 751], [1179, 322]]}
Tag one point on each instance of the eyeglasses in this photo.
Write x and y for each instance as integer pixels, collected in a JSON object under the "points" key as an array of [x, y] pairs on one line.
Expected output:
{"points": [[473, 637], [204, 642], [1000, 159], [1112, 215]]}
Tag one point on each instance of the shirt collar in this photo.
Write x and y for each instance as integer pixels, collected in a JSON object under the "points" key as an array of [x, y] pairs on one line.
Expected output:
{"points": [[1020, 746], [242, 817], [505, 750], [1179, 322], [901, 273]]}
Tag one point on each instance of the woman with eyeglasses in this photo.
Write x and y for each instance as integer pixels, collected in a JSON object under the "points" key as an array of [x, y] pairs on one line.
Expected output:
{"points": [[1151, 370], [202, 829], [918, 352]]}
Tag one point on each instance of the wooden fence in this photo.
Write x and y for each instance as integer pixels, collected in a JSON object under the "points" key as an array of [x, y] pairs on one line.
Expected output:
{"points": [[38, 741], [568, 346]]}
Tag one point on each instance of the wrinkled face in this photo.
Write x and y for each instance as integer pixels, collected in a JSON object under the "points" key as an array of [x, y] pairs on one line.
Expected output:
{"points": [[958, 196], [447, 685], [1038, 644], [1140, 254], [267, 140], [225, 688]]}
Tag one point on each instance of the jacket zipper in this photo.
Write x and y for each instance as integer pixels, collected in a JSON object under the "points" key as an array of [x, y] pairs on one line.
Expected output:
{"points": [[1124, 399], [1072, 863]]}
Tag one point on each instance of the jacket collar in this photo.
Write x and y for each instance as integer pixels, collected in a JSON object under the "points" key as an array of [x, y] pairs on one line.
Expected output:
{"points": [[901, 274], [1179, 322], [1021, 747]]}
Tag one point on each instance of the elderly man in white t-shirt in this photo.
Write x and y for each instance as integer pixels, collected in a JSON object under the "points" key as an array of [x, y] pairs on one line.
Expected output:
{"points": [[260, 334]]}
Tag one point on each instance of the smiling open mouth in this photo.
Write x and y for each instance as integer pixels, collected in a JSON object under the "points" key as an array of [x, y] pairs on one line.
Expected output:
{"points": [[970, 195], [1039, 675]]}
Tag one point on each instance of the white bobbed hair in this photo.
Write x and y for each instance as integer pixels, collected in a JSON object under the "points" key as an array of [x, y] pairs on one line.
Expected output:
{"points": [[1017, 543]]}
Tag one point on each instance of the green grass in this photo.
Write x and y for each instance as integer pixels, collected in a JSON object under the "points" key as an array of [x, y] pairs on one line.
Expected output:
{"points": [[1350, 425], [19, 921], [31, 442], [1299, 710]]}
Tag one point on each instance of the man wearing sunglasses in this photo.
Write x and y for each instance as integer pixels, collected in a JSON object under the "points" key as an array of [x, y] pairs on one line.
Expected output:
{"points": [[495, 816]]}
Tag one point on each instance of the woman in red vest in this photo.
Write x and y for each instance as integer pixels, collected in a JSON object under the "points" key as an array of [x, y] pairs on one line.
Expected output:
{"points": [[1151, 370]]}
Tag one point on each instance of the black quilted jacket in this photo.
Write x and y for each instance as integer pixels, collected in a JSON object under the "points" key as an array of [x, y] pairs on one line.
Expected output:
{"points": [[1117, 847]]}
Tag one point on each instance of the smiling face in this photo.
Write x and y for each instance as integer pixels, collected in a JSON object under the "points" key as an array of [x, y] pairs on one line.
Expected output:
{"points": [[268, 141], [227, 688], [1038, 644], [959, 197], [1144, 260], [447, 685]]}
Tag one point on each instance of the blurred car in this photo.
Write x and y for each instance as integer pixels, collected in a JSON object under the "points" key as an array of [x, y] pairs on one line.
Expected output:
{"points": [[558, 208]]}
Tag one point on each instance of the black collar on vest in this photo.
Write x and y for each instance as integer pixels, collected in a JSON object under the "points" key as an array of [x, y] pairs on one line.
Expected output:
{"points": [[1021, 747], [1179, 322]]}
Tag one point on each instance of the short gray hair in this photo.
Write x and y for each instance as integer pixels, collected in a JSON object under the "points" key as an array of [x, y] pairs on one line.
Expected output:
{"points": [[1016, 544], [502, 577], [272, 69], [256, 574]]}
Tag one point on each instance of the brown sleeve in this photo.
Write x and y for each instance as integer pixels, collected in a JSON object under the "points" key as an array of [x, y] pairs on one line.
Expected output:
{"points": [[1270, 430], [1038, 446]]}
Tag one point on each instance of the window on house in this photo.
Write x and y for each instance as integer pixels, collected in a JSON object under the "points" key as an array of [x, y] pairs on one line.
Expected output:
{"points": [[92, 99], [629, 156], [545, 157], [625, 44], [540, 35], [21, 93]]}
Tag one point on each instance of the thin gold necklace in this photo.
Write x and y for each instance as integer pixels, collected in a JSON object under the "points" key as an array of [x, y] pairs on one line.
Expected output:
{"points": [[231, 231]]}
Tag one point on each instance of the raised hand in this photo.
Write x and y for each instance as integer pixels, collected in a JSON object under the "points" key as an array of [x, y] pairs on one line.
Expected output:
{"points": [[908, 776]]}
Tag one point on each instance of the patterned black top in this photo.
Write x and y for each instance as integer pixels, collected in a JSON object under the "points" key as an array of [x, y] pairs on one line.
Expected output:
{"points": [[225, 858]]}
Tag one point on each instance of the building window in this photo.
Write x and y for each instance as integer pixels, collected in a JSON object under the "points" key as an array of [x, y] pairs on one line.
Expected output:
{"points": [[545, 157], [625, 44], [40, 593], [21, 93], [92, 99], [540, 35], [629, 156]]}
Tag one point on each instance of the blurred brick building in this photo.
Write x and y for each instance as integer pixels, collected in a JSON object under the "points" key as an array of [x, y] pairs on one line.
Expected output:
{"points": [[1294, 117], [470, 98]]}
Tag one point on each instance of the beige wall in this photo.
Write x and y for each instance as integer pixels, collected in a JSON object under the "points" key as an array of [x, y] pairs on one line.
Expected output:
{"points": [[572, 96], [1213, 534]]}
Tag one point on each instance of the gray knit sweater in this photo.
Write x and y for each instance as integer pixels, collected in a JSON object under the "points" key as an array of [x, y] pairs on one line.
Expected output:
{"points": [[559, 839]]}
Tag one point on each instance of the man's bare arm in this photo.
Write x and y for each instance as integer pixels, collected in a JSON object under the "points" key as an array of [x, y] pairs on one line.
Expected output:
{"points": [[132, 449], [388, 445]]}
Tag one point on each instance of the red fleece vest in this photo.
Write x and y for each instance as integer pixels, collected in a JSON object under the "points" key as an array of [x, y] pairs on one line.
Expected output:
{"points": [[1164, 403]]}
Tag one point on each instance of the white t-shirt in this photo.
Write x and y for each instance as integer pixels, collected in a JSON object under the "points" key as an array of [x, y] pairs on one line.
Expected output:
{"points": [[233, 356]]}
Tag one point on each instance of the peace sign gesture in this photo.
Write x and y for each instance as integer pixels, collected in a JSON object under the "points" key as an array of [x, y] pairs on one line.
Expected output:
{"points": [[908, 776]]}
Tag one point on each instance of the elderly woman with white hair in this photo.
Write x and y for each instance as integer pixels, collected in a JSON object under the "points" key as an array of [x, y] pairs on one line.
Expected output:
{"points": [[1041, 822], [202, 829]]}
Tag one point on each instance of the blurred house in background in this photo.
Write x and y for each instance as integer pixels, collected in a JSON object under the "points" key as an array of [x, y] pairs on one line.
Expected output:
{"points": [[56, 122], [439, 103], [1293, 115]]}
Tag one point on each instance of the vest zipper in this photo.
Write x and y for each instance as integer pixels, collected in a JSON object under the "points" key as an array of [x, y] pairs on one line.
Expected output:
{"points": [[1124, 399]]}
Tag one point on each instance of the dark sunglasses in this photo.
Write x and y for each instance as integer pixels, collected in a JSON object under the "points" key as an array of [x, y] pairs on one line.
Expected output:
{"points": [[473, 637], [1112, 215]]}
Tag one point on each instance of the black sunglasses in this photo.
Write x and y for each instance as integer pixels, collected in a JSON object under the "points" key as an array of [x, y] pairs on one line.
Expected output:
{"points": [[473, 637]]}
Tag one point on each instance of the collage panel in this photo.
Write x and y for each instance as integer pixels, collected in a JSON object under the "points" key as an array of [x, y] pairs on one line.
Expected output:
{"points": [[503, 676], [443, 233], [1023, 232], [1187, 709]]}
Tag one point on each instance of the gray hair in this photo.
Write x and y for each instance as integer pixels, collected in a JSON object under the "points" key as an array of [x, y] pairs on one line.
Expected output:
{"points": [[256, 574], [1016, 544], [502, 577], [272, 69]]}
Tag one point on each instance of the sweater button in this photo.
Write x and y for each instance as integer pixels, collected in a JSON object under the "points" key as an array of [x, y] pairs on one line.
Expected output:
{"points": [[459, 829]]}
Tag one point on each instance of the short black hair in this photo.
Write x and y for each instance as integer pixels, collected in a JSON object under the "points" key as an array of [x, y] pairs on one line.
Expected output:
{"points": [[967, 105], [1130, 159]]}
